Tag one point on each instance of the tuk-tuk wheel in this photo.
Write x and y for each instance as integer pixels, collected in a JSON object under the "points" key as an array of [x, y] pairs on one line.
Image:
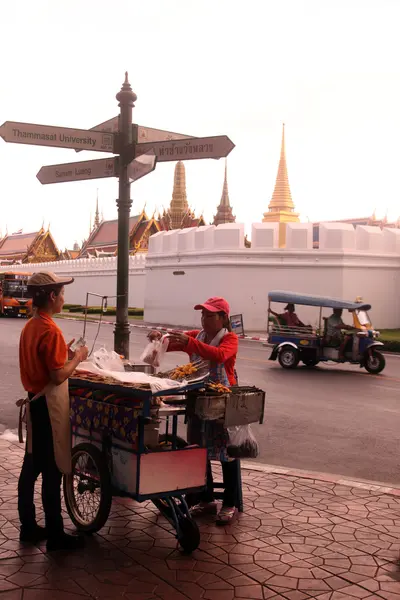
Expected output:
{"points": [[375, 362], [288, 357]]}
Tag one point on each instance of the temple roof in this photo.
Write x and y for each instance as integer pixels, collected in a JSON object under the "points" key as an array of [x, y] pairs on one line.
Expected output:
{"points": [[17, 243], [107, 232], [27, 247], [103, 240]]}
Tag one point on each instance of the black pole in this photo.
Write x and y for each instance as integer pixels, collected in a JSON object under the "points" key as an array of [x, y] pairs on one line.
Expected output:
{"points": [[126, 98]]}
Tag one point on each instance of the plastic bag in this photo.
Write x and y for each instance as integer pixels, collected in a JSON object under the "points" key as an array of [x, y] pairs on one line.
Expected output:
{"points": [[154, 352], [108, 361], [242, 443]]}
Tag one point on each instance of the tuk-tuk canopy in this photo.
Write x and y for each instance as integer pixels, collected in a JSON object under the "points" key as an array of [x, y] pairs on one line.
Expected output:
{"points": [[321, 301]]}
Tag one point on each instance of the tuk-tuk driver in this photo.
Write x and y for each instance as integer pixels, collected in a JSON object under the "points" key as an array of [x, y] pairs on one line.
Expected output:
{"points": [[334, 335], [289, 316]]}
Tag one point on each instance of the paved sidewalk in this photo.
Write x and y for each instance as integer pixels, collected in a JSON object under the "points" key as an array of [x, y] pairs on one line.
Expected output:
{"points": [[298, 538]]}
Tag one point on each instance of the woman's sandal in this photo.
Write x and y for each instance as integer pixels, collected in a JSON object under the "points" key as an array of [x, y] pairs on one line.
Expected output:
{"points": [[227, 515]]}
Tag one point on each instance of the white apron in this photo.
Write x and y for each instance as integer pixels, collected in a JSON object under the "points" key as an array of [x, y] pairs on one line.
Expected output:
{"points": [[57, 399]]}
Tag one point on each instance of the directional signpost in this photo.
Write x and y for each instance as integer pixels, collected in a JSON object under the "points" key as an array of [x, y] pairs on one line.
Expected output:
{"points": [[59, 137], [139, 149], [78, 171], [210, 147]]}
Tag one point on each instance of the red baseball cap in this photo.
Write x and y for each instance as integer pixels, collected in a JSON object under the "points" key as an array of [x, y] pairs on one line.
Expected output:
{"points": [[215, 304]]}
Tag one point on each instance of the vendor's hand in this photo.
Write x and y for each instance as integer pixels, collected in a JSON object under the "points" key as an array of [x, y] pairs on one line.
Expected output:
{"points": [[179, 338], [82, 353], [154, 336], [71, 353]]}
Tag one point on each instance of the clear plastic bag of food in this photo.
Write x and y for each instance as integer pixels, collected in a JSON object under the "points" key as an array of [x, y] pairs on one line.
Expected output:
{"points": [[242, 443], [108, 361], [154, 352]]}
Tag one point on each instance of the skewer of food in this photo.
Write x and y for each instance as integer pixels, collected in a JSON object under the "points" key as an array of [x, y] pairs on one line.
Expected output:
{"points": [[218, 388]]}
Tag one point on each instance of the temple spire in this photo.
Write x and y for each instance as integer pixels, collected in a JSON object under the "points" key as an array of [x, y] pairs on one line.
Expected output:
{"points": [[225, 193], [97, 214], [224, 210], [281, 207], [282, 197], [179, 204]]}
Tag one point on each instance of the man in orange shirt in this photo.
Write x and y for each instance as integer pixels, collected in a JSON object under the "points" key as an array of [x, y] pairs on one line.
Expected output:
{"points": [[46, 362]]}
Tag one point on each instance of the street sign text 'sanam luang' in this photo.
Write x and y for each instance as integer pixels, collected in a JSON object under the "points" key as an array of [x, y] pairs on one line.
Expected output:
{"points": [[78, 171], [138, 148]]}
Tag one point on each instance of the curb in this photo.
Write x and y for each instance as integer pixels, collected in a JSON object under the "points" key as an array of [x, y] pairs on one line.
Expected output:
{"points": [[314, 476], [372, 486]]}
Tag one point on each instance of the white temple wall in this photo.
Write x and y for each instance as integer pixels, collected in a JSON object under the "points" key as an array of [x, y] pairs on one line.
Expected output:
{"points": [[185, 267], [196, 264]]}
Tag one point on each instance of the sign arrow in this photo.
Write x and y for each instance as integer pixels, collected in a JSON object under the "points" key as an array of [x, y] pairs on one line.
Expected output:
{"points": [[144, 134], [59, 137], [143, 165], [78, 171], [193, 148]]}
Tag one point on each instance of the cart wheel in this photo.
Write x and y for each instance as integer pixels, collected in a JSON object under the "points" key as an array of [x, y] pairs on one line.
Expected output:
{"points": [[188, 534], [87, 490]]}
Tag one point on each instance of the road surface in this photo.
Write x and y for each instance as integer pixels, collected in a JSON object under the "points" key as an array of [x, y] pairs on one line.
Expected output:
{"points": [[335, 419]]}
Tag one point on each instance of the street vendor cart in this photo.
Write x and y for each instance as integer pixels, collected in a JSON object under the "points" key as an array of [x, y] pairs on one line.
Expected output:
{"points": [[119, 448], [115, 433]]}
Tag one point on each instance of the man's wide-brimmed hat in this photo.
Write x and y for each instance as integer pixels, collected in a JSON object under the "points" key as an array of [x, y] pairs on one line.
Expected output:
{"points": [[45, 279]]}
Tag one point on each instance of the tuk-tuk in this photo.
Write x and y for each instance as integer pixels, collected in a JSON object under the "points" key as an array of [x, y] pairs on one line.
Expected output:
{"points": [[293, 341]]}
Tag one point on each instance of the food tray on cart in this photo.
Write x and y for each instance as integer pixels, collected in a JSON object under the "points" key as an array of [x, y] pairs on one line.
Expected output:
{"points": [[117, 388], [196, 371], [241, 405], [129, 390]]}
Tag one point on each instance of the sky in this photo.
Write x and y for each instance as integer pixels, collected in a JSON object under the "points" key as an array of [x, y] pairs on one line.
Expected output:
{"points": [[328, 69]]}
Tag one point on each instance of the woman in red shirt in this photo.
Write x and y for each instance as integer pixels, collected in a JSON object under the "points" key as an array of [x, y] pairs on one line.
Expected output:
{"points": [[215, 343]]}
